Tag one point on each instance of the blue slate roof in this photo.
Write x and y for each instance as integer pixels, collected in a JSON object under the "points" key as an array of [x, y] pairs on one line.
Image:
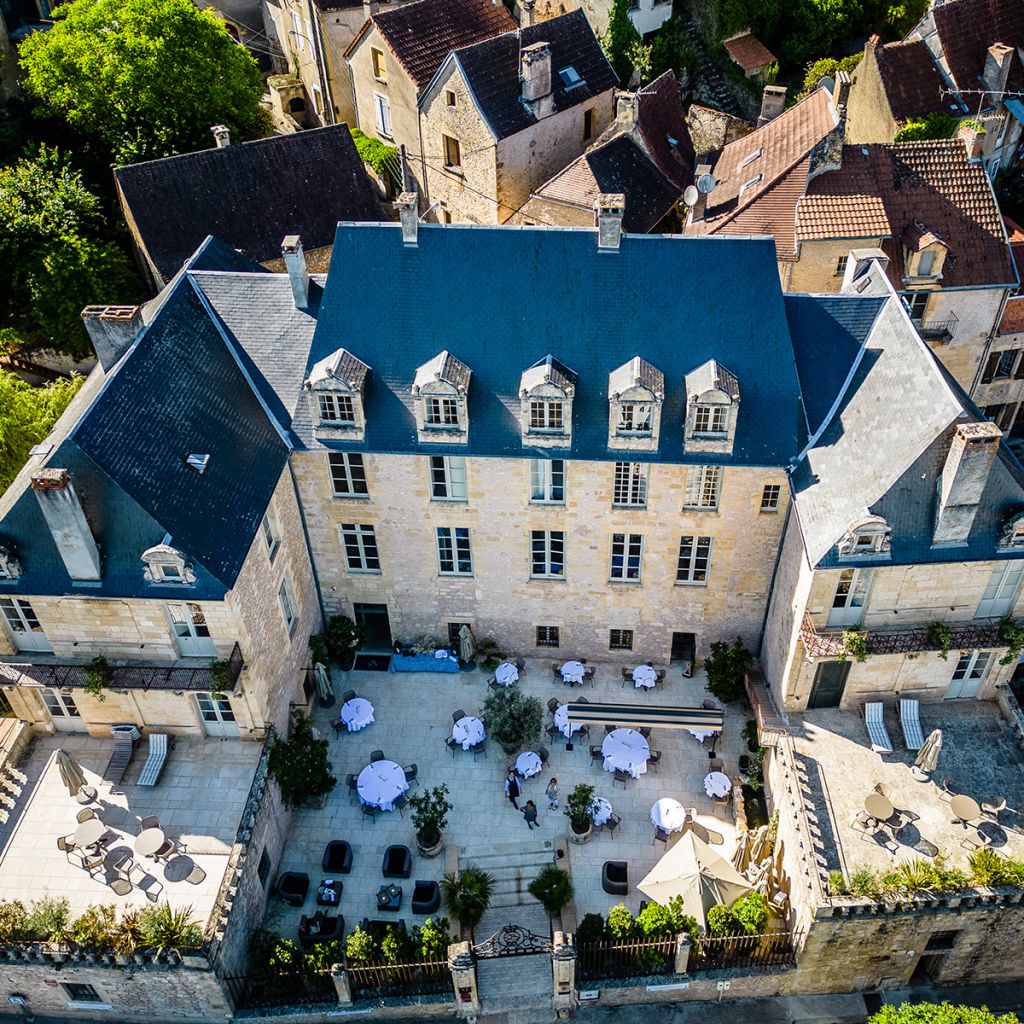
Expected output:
{"points": [[499, 299]]}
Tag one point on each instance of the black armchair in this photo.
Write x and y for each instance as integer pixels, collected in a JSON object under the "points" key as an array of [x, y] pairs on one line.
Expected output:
{"points": [[614, 878], [320, 928], [397, 862], [292, 887], [426, 897], [337, 857]]}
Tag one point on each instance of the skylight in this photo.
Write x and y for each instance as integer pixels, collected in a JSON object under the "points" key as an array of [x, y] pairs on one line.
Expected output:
{"points": [[198, 463], [751, 157], [570, 77], [749, 183]]}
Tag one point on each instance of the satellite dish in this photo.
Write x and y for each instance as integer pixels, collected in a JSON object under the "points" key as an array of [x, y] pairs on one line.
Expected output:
{"points": [[827, 83], [706, 183], [691, 195]]}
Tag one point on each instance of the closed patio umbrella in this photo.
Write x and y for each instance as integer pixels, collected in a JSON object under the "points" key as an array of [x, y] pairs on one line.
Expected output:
{"points": [[694, 871], [73, 777], [467, 644], [324, 687], [741, 855], [760, 845], [928, 756]]}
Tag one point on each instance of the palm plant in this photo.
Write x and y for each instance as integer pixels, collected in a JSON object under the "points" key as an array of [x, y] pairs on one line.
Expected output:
{"points": [[468, 894], [164, 929], [553, 887]]}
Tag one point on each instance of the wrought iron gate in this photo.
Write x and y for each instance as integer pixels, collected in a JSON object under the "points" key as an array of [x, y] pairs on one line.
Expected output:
{"points": [[512, 940]]}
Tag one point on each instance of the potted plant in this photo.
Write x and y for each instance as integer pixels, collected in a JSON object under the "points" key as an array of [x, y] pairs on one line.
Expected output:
{"points": [[467, 894], [553, 887], [513, 719], [489, 655], [726, 667], [579, 810], [219, 679], [750, 735], [430, 818], [97, 677], [318, 650], [343, 638], [299, 764]]}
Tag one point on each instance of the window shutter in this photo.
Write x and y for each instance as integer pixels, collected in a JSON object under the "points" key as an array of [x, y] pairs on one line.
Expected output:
{"points": [[1018, 374], [990, 368]]}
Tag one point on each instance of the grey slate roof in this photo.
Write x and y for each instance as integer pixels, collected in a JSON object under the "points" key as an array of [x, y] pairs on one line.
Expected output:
{"points": [[250, 196], [491, 70]]}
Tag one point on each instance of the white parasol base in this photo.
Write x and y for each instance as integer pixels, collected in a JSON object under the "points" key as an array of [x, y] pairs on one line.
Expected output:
{"points": [[919, 773], [86, 795]]}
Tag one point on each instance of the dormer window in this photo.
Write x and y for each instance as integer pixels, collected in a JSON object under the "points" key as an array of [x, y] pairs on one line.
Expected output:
{"points": [[1011, 536], [924, 253], [440, 394], [10, 567], [546, 391], [712, 408], [868, 536], [335, 387], [636, 391], [166, 565]]}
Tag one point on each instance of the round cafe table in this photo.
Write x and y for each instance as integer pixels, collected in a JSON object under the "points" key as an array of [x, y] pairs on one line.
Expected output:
{"points": [[964, 808], [89, 832], [506, 674], [148, 841], [357, 713], [878, 806], [600, 810], [701, 734], [380, 783], [626, 750], [573, 671], [668, 814], [563, 724], [528, 764], [468, 732], [644, 677], [717, 784]]}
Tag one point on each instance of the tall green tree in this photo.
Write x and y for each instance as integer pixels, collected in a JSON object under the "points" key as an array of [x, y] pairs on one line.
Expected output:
{"points": [[622, 42], [55, 258], [939, 1013], [148, 77]]}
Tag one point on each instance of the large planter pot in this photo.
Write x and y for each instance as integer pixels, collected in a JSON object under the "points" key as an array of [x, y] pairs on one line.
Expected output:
{"points": [[579, 838], [511, 748], [430, 851]]}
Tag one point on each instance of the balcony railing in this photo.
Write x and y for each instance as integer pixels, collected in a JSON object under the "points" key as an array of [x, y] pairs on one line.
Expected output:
{"points": [[829, 643], [769, 722], [941, 331], [133, 676]]}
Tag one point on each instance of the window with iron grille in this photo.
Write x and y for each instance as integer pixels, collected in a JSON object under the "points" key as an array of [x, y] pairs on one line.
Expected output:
{"points": [[453, 554], [348, 475], [546, 416], [547, 481], [442, 412], [337, 409], [448, 478], [263, 867], [711, 419], [620, 639], [547, 554], [630, 484], [770, 497], [694, 560], [627, 553], [79, 992], [702, 486], [360, 543], [547, 636]]}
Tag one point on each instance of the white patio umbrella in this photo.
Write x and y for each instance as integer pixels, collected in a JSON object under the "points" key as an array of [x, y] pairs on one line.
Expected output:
{"points": [[324, 686], [694, 871], [73, 777], [467, 644], [741, 855], [928, 756]]}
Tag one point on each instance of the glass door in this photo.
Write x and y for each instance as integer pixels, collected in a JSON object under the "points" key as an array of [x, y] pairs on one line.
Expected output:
{"points": [[191, 633], [63, 710], [850, 597], [969, 674], [999, 595], [23, 625], [218, 718]]}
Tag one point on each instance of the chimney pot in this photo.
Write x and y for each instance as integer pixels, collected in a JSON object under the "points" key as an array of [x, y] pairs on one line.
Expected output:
{"points": [[221, 136], [408, 214], [965, 473], [626, 108], [773, 101], [535, 78], [972, 135], [527, 12], [298, 273], [610, 208], [112, 329], [68, 526], [997, 69]]}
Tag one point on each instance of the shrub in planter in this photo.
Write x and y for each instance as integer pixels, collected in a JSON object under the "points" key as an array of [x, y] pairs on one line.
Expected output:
{"points": [[591, 929], [13, 921], [721, 922], [726, 666], [751, 913], [467, 894], [433, 938], [578, 809], [299, 765], [164, 929], [219, 679], [319, 959], [397, 946], [750, 735], [430, 815], [343, 638], [48, 920], [489, 655], [97, 677], [360, 947], [656, 921], [513, 719], [553, 887], [95, 927], [621, 925]]}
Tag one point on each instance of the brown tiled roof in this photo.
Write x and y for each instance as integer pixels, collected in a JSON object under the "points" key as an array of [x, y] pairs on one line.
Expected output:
{"points": [[912, 82], [422, 34], [1013, 317], [881, 189], [967, 28], [662, 128], [749, 52]]}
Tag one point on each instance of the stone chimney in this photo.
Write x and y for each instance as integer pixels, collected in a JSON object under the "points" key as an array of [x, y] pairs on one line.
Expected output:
{"points": [[221, 136], [997, 69], [408, 214], [112, 329], [972, 135], [971, 455], [858, 262], [535, 79], [609, 208], [298, 273], [773, 101], [370, 8], [841, 92], [66, 519], [526, 12], [626, 108]]}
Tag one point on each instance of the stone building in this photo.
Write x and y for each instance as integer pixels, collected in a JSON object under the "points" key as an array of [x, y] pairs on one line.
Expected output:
{"points": [[1001, 388], [501, 117]]}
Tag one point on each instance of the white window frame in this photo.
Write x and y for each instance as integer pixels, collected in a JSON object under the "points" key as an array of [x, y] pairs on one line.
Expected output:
{"points": [[771, 497], [547, 416], [456, 540], [271, 535], [547, 544], [547, 476], [632, 547], [441, 412], [841, 262], [703, 487], [850, 599], [286, 601], [382, 114], [629, 489], [335, 409], [297, 26], [1000, 593], [694, 563], [636, 419], [23, 624], [972, 665], [711, 420], [340, 466], [929, 255], [359, 539], [447, 475]]}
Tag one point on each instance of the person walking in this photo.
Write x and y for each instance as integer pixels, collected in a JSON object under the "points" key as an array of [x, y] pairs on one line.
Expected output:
{"points": [[512, 788], [552, 794], [530, 814]]}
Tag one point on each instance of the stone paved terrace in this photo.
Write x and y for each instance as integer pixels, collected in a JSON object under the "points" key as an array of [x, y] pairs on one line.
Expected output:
{"points": [[980, 758], [413, 717], [199, 801]]}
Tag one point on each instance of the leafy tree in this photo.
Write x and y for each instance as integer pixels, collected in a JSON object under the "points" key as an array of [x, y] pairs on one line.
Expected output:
{"points": [[726, 667], [299, 764], [939, 1013], [54, 259], [673, 50], [931, 126], [620, 41], [26, 416], [827, 67], [148, 77]]}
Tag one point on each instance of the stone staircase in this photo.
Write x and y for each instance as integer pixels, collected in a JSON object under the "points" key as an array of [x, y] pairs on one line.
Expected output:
{"points": [[514, 866]]}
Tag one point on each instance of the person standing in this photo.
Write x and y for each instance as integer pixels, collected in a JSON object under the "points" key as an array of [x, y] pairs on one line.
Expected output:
{"points": [[512, 788], [552, 794], [530, 814]]}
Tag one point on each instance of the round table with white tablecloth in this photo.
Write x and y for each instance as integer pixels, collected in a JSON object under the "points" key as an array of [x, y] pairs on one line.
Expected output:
{"points": [[357, 713], [644, 677], [468, 732], [600, 810], [701, 734], [506, 674], [668, 814], [380, 783], [626, 750], [563, 724], [717, 784], [528, 764], [573, 671]]}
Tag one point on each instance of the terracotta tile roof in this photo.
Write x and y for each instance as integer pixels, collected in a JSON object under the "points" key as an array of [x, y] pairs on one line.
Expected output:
{"points": [[912, 82], [882, 189], [422, 34], [662, 127], [749, 52], [967, 28], [1013, 317]]}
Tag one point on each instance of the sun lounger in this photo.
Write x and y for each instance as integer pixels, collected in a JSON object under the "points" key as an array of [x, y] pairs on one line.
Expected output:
{"points": [[880, 742], [911, 724], [155, 761]]}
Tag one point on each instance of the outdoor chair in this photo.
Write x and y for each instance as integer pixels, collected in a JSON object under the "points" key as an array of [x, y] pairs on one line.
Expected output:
{"points": [[595, 753], [992, 810], [426, 897], [150, 821], [410, 774], [320, 928], [863, 822], [645, 732], [480, 750], [948, 789], [557, 673], [348, 695], [582, 732], [627, 676], [654, 758], [543, 753], [621, 776], [397, 862], [124, 747], [873, 719], [94, 862], [85, 814], [338, 726], [196, 876], [458, 715], [66, 845], [615, 877], [660, 676], [588, 675], [553, 705], [369, 812], [553, 731], [122, 885], [292, 887], [400, 803], [709, 705], [582, 700], [978, 841], [609, 728], [613, 822], [451, 745], [715, 764], [156, 758], [377, 755], [660, 836], [337, 857], [493, 684], [352, 782], [910, 722], [722, 801], [883, 790]]}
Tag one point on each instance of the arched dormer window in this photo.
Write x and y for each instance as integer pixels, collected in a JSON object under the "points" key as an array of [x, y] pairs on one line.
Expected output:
{"points": [[1011, 535], [924, 254], [868, 536], [166, 565], [440, 394], [712, 408], [10, 567], [335, 389], [636, 391], [546, 392]]}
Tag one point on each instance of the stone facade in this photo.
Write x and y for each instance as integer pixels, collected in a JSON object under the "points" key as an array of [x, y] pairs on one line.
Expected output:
{"points": [[294, 26]]}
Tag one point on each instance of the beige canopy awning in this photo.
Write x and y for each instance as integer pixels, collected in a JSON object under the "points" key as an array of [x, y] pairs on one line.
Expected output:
{"points": [[634, 716]]}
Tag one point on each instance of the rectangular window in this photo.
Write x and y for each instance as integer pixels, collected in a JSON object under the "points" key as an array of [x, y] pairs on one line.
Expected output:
{"points": [[271, 538], [547, 554], [850, 598], [841, 266], [634, 418], [78, 992], [337, 409], [547, 636], [453, 554], [694, 560], [546, 416], [382, 107], [710, 419], [588, 124], [296, 30], [702, 486], [452, 152], [630, 485], [284, 595], [348, 475], [263, 867], [770, 497], [360, 544], [448, 478], [454, 631], [917, 304], [449, 99], [620, 639], [442, 412], [925, 262], [379, 69], [972, 665], [547, 481], [627, 553], [1000, 593]]}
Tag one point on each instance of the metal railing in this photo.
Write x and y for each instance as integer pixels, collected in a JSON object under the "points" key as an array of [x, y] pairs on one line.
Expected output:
{"points": [[829, 643], [635, 958], [745, 952], [938, 330], [282, 986], [374, 981]]}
